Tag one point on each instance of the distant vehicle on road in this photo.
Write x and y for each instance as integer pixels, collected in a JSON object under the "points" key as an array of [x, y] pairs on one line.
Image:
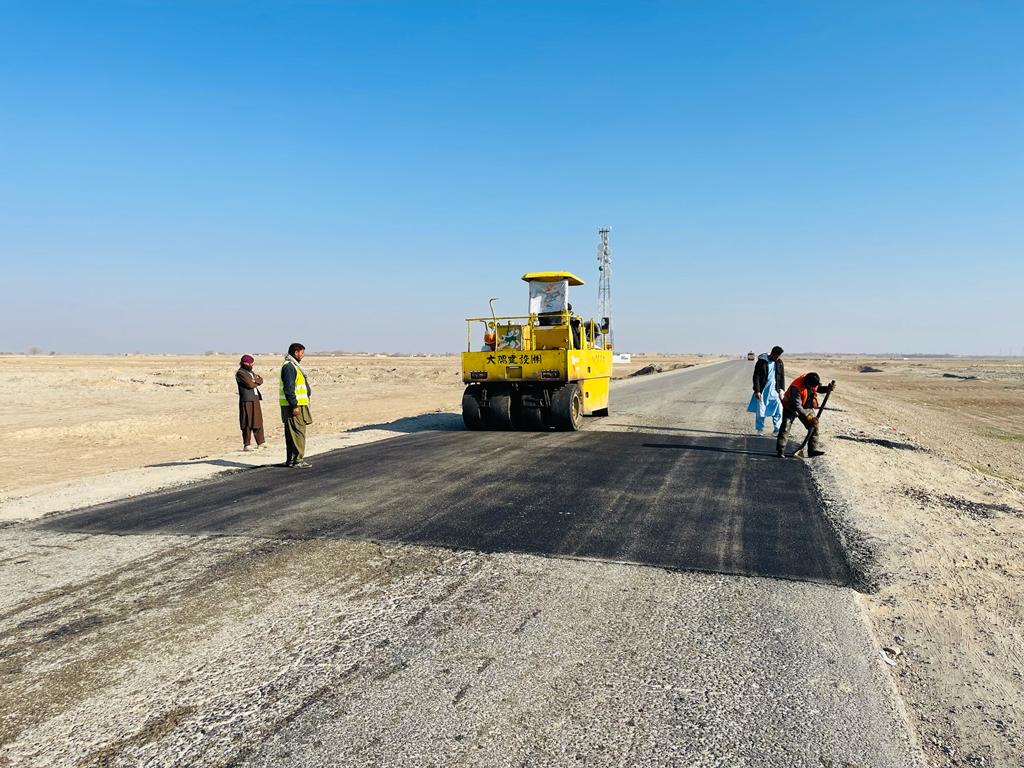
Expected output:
{"points": [[751, 356]]}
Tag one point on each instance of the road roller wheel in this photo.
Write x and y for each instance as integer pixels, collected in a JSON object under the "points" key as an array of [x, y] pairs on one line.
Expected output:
{"points": [[531, 419], [527, 417], [499, 411], [567, 408], [472, 411]]}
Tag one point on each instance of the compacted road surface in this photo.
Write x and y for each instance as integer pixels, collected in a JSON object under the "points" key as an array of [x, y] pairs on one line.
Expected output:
{"points": [[657, 589]]}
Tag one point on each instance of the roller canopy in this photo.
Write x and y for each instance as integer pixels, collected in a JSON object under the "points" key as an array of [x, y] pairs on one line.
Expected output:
{"points": [[551, 277]]}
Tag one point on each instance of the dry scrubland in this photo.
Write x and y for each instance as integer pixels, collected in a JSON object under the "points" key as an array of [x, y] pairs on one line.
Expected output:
{"points": [[928, 456], [69, 417]]}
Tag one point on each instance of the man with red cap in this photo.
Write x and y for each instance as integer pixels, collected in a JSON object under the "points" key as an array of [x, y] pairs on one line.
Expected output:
{"points": [[250, 413], [799, 402]]}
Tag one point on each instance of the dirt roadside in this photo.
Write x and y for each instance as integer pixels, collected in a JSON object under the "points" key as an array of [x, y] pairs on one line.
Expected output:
{"points": [[927, 457]]}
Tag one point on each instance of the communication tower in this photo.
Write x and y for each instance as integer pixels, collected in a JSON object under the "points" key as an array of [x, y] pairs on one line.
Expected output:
{"points": [[604, 285]]}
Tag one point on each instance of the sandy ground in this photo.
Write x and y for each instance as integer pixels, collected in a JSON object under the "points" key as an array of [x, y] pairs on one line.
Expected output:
{"points": [[75, 417], [929, 468]]}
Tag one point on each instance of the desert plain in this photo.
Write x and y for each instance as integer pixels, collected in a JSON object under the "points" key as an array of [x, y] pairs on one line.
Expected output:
{"points": [[924, 475]]}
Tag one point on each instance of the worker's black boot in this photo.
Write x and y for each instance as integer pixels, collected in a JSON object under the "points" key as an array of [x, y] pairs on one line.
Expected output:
{"points": [[812, 444], [780, 453]]}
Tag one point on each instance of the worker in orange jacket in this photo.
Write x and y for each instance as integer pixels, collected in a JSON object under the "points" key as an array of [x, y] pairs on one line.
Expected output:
{"points": [[799, 402]]}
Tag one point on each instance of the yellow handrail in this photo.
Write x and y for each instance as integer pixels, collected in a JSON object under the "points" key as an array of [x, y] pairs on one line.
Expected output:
{"points": [[500, 317], [532, 320]]}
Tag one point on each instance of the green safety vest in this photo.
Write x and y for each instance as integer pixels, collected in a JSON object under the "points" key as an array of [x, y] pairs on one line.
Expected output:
{"points": [[301, 393]]}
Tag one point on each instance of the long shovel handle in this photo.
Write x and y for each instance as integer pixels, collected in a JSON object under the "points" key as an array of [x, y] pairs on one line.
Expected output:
{"points": [[824, 402]]}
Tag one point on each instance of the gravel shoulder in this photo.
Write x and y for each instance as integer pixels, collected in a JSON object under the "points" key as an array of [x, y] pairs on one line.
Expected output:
{"points": [[925, 473]]}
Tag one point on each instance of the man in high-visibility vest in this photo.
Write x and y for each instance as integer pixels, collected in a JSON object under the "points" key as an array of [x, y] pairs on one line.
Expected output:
{"points": [[799, 402], [293, 395]]}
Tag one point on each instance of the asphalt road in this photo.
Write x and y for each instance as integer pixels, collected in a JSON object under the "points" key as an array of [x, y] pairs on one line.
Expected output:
{"points": [[657, 589]]}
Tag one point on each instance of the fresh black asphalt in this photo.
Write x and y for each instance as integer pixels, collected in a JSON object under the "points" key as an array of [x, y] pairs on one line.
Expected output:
{"points": [[704, 502]]}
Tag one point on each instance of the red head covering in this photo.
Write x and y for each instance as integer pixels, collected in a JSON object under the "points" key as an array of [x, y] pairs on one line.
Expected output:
{"points": [[248, 359]]}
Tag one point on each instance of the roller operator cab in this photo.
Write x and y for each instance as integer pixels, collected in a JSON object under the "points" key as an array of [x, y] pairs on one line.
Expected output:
{"points": [[543, 370]]}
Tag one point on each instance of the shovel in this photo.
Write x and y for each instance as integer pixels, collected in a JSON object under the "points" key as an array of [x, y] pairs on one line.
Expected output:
{"points": [[800, 451]]}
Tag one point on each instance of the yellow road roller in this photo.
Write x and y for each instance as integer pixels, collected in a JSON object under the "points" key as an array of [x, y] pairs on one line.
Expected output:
{"points": [[543, 370]]}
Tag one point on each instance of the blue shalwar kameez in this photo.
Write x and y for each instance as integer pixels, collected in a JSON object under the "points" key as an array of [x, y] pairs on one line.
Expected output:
{"points": [[768, 405]]}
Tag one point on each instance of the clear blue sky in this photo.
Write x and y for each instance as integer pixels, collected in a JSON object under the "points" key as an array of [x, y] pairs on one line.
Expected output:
{"points": [[184, 176]]}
